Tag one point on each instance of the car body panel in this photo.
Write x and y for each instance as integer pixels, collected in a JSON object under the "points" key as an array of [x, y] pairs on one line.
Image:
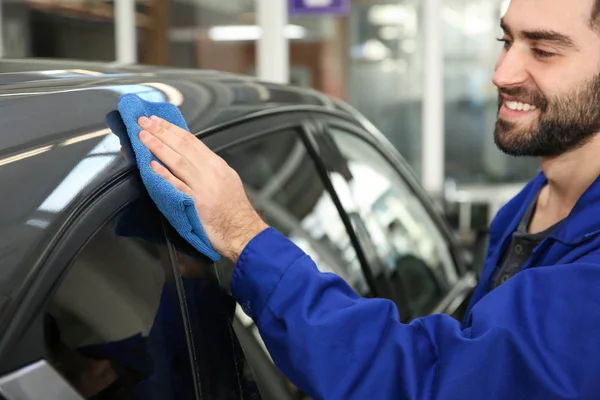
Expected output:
{"points": [[56, 150]]}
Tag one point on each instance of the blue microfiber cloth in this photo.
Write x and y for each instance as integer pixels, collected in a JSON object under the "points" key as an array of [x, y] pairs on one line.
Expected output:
{"points": [[176, 206]]}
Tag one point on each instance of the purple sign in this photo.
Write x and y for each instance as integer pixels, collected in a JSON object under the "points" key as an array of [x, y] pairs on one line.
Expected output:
{"points": [[318, 7]]}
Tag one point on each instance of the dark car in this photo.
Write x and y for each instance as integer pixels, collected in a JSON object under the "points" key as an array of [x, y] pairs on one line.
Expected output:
{"points": [[101, 299]]}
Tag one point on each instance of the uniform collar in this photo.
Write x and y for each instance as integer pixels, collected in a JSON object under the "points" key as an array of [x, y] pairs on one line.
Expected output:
{"points": [[582, 223], [523, 202], [584, 220]]}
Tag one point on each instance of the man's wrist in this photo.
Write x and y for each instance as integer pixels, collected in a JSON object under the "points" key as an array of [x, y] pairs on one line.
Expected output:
{"points": [[239, 243]]}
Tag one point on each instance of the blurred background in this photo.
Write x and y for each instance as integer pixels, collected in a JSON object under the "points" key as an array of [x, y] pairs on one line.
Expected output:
{"points": [[370, 53]]}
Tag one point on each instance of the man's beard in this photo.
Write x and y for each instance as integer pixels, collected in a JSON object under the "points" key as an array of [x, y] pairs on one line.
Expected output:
{"points": [[565, 122]]}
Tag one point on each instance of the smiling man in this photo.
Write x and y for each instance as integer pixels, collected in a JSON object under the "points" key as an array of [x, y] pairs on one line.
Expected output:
{"points": [[533, 326], [548, 80]]}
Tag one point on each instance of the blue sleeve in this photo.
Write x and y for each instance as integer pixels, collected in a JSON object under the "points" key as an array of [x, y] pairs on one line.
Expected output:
{"points": [[535, 337]]}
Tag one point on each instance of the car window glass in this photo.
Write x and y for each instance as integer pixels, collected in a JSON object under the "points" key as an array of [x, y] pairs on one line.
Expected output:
{"points": [[283, 184], [272, 384], [222, 366], [409, 246], [113, 328]]}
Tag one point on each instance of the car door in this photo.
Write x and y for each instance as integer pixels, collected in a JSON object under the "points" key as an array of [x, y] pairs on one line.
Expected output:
{"points": [[124, 309], [271, 154], [412, 255]]}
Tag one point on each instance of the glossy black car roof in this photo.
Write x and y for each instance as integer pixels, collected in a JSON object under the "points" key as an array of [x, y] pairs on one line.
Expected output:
{"points": [[56, 149]]}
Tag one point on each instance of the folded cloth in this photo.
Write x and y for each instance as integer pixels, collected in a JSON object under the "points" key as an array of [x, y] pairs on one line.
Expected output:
{"points": [[176, 206]]}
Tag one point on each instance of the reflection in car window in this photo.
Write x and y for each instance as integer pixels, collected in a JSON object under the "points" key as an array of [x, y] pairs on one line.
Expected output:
{"points": [[113, 328], [284, 186], [222, 366], [406, 240]]}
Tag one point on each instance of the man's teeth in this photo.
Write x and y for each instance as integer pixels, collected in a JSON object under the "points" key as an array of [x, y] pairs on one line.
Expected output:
{"points": [[518, 106]]}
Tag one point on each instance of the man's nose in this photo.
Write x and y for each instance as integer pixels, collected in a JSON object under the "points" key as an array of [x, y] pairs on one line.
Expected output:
{"points": [[510, 70]]}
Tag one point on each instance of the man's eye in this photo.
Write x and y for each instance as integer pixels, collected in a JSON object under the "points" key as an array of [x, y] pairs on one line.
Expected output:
{"points": [[542, 54], [507, 42]]}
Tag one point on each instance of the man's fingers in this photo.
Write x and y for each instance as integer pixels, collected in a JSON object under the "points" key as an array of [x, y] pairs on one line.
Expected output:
{"points": [[180, 140], [174, 161], [168, 137], [165, 173], [176, 130], [181, 133]]}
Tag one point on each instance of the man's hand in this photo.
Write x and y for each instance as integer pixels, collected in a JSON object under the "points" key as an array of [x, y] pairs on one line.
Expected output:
{"points": [[227, 215]]}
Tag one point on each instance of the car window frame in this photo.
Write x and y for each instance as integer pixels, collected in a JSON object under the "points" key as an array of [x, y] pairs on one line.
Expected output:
{"points": [[396, 162], [461, 290], [331, 142], [258, 127], [57, 261], [346, 117], [185, 317], [362, 247]]}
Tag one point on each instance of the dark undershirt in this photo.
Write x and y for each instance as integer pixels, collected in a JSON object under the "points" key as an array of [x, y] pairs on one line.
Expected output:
{"points": [[520, 248]]}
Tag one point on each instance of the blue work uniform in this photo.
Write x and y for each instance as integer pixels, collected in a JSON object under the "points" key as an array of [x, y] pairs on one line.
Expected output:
{"points": [[536, 336]]}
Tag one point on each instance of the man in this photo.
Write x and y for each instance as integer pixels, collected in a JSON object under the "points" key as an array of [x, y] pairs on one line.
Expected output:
{"points": [[533, 328]]}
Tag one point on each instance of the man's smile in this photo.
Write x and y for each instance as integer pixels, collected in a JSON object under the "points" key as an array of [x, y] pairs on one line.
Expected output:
{"points": [[513, 108]]}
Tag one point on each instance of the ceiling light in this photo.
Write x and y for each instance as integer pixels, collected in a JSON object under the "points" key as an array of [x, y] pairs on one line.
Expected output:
{"points": [[473, 20], [251, 32], [409, 46], [374, 50], [392, 14], [389, 32]]}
